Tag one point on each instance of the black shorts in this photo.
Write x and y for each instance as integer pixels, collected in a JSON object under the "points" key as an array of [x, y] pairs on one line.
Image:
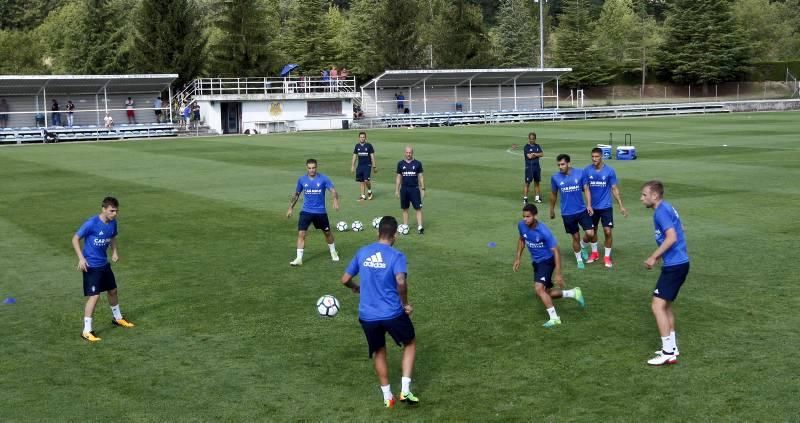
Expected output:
{"points": [[604, 215], [97, 280], [400, 328], [543, 272], [572, 221], [533, 174], [320, 221], [363, 173], [670, 281], [410, 196]]}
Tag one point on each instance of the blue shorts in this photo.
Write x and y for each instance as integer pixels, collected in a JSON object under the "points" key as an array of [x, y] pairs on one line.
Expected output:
{"points": [[363, 173], [606, 215], [543, 272], [400, 328], [670, 281], [571, 222], [410, 196], [97, 280], [533, 174], [320, 221]]}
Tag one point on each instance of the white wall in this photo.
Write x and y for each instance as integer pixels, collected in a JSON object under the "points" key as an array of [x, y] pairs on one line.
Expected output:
{"points": [[444, 99], [289, 111]]}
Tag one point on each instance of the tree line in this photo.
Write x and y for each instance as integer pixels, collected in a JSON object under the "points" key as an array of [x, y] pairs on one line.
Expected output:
{"points": [[683, 41]]}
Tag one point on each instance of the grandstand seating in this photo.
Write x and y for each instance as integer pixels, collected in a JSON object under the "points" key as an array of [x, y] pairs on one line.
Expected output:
{"points": [[26, 135]]}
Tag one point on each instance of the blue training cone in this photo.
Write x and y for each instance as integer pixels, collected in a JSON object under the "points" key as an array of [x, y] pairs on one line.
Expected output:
{"points": [[492, 244], [10, 300]]}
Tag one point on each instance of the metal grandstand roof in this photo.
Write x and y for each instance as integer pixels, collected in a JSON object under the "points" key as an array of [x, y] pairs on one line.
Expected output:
{"points": [[458, 77], [84, 84]]}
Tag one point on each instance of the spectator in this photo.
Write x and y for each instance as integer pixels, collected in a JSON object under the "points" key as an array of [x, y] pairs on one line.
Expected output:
{"points": [[129, 103], [400, 98], [344, 75], [70, 113], [157, 107], [334, 78], [186, 112], [3, 113], [39, 117], [109, 121], [196, 114], [56, 116], [357, 112], [325, 78]]}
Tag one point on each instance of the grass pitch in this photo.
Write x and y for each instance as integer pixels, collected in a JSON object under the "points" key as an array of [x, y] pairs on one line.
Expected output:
{"points": [[226, 330]]}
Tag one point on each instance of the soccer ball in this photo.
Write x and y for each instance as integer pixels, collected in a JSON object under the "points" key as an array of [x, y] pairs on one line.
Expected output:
{"points": [[376, 222], [402, 229], [341, 226], [327, 306], [357, 226]]}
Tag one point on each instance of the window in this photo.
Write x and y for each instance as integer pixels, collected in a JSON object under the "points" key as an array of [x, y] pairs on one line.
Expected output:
{"points": [[329, 107]]}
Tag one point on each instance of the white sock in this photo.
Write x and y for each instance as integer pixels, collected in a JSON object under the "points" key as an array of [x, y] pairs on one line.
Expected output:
{"points": [[537, 197], [568, 293], [300, 253], [666, 344], [387, 392], [525, 198], [583, 244], [369, 191], [116, 312], [578, 256], [405, 383], [608, 252], [332, 247], [594, 247], [552, 312], [674, 340], [419, 227], [87, 324]]}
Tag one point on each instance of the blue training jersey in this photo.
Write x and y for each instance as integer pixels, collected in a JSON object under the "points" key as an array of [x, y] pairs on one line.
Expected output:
{"points": [[410, 172], [539, 239], [664, 218], [313, 190], [570, 188], [96, 237], [363, 152], [600, 183], [534, 162], [378, 264]]}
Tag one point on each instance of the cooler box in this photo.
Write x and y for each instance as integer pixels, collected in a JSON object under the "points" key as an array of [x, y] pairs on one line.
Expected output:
{"points": [[626, 152], [606, 151]]}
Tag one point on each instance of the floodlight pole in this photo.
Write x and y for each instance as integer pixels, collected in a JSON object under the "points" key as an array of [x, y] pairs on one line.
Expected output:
{"points": [[541, 33]]}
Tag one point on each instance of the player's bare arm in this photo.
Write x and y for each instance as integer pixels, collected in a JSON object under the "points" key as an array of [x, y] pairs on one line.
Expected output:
{"points": [[421, 186], [335, 198], [397, 186], [76, 244], [402, 289], [347, 280], [618, 197], [559, 278], [292, 201], [553, 198], [588, 194], [114, 254], [520, 248], [353, 164], [374, 163]]}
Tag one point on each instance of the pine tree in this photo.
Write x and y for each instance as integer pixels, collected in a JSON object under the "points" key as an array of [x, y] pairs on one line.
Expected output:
{"points": [[167, 39], [94, 46], [242, 44], [460, 39], [702, 44], [360, 49], [397, 39], [516, 37], [308, 41], [575, 49]]}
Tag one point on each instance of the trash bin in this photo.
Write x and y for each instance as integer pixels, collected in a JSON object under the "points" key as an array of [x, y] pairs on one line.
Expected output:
{"points": [[345, 124]]}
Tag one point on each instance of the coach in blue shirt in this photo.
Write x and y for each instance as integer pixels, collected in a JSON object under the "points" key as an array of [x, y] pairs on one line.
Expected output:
{"points": [[383, 306]]}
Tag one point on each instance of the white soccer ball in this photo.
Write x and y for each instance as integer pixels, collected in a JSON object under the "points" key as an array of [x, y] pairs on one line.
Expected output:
{"points": [[376, 222], [357, 226], [341, 226], [327, 306], [402, 229]]}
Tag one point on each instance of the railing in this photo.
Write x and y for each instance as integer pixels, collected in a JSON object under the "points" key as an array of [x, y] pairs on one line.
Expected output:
{"points": [[267, 86]]}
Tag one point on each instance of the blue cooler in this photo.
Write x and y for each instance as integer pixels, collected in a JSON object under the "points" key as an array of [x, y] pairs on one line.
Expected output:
{"points": [[626, 152], [606, 151]]}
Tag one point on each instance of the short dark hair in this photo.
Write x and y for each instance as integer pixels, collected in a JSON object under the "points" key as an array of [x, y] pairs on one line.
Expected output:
{"points": [[110, 201], [309, 161], [597, 150], [564, 157], [532, 133], [655, 186], [362, 133], [530, 208], [387, 228]]}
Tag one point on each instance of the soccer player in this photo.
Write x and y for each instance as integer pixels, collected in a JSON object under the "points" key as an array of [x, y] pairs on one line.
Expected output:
{"points": [[98, 233], [546, 260], [674, 268], [365, 154], [313, 185], [602, 183], [410, 186], [383, 306], [572, 185], [533, 172]]}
